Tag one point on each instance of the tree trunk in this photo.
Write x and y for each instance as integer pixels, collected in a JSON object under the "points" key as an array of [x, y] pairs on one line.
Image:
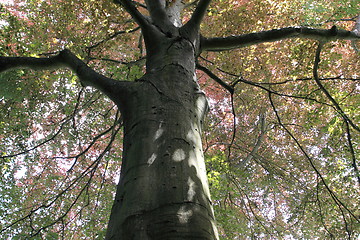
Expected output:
{"points": [[163, 191]]}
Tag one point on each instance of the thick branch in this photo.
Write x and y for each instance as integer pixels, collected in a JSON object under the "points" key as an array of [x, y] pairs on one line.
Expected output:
{"points": [[157, 12], [199, 13], [87, 76], [192, 27], [7, 63], [232, 42], [357, 25], [158, 15], [132, 10], [356, 30], [173, 10]]}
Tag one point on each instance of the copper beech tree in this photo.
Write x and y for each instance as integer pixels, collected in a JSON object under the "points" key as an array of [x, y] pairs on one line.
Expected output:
{"points": [[163, 191]]}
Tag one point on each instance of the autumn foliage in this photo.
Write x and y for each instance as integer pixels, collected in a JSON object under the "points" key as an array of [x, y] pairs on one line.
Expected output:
{"points": [[281, 139]]}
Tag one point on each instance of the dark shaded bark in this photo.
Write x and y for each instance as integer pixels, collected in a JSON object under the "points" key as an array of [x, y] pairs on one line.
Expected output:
{"points": [[244, 40]]}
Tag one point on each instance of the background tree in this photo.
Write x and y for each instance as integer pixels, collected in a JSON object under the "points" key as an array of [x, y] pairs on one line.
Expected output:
{"points": [[280, 140]]}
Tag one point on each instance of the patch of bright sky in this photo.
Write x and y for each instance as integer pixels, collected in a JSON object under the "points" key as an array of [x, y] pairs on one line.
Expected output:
{"points": [[7, 2], [3, 23]]}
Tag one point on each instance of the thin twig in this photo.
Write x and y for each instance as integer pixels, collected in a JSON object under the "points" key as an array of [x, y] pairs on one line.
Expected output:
{"points": [[233, 112], [346, 119], [325, 91], [229, 88], [337, 201]]}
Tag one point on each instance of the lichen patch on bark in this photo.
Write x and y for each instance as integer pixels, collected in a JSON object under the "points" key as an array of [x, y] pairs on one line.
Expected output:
{"points": [[192, 189], [178, 155], [151, 159]]}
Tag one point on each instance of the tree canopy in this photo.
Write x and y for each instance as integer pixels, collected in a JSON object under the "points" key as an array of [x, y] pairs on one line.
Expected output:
{"points": [[281, 139]]}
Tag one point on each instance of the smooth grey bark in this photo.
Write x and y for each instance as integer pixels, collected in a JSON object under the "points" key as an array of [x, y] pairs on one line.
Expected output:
{"points": [[244, 40], [163, 191]]}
